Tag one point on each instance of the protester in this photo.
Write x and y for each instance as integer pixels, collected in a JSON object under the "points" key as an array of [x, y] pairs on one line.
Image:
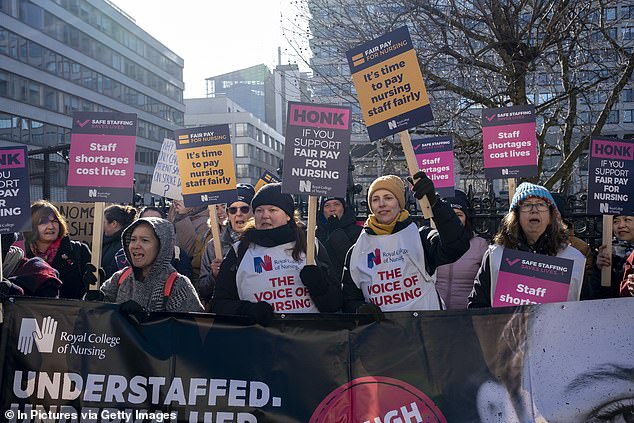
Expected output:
{"points": [[627, 284], [553, 366], [337, 230], [22, 276], [622, 247], [392, 266], [454, 281], [189, 223], [49, 240], [239, 213], [151, 283], [180, 260], [207, 235], [532, 224], [266, 272], [116, 218]]}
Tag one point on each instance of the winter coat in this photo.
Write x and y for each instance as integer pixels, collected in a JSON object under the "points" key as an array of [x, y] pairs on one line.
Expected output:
{"points": [[109, 247], [454, 281], [338, 235], [149, 292], [620, 252], [206, 281], [35, 276], [443, 245], [70, 261], [189, 227], [226, 299]]}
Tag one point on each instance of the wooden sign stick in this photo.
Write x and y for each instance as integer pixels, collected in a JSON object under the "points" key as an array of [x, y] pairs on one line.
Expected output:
{"points": [[215, 231], [606, 272], [97, 238], [310, 234], [511, 189], [412, 166]]}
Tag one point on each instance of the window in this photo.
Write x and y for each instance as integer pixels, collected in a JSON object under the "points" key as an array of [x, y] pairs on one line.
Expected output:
{"points": [[628, 116], [242, 150], [613, 117], [627, 95], [610, 13], [242, 171]]}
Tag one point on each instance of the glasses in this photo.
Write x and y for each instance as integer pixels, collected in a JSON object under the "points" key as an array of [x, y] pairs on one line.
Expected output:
{"points": [[243, 209], [541, 207]]}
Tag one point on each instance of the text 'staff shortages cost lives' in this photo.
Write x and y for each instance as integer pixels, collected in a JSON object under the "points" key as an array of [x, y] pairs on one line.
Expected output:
{"points": [[389, 84]]}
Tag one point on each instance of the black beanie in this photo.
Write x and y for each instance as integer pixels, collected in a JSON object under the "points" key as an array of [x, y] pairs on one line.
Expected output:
{"points": [[271, 194], [245, 192]]}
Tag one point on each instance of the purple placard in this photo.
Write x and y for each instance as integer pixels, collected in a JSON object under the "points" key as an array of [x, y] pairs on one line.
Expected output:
{"points": [[434, 156], [15, 207], [528, 278], [509, 142], [101, 163], [610, 189], [317, 148]]}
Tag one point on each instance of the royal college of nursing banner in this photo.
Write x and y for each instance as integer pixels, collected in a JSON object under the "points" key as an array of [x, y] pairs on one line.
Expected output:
{"points": [[71, 361]]}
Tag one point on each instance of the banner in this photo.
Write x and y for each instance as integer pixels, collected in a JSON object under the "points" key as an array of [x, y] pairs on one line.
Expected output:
{"points": [[72, 361], [435, 157], [166, 181], [80, 219], [317, 148], [528, 278], [266, 178], [389, 84], [610, 190], [509, 142], [205, 162], [15, 197], [101, 162]]}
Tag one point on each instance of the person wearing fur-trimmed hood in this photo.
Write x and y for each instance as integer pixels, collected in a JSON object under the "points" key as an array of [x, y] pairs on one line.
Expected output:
{"points": [[149, 244]]}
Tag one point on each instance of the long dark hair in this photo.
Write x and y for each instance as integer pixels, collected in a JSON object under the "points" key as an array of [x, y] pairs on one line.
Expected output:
{"points": [[299, 230], [510, 231], [41, 210], [122, 214]]}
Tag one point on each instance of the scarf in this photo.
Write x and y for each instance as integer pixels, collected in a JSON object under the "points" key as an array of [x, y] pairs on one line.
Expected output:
{"points": [[385, 228], [49, 254]]}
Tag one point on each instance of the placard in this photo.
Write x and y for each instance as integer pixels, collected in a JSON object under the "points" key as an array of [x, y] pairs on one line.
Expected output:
{"points": [[610, 188], [101, 163], [15, 197], [205, 162], [389, 84], [266, 178], [166, 180], [317, 148], [435, 157], [529, 278], [509, 142], [80, 219]]}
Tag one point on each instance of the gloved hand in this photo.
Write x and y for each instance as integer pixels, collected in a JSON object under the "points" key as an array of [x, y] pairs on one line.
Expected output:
{"points": [[371, 309], [260, 312], [9, 289], [423, 187], [312, 279], [131, 307], [333, 222], [89, 277]]}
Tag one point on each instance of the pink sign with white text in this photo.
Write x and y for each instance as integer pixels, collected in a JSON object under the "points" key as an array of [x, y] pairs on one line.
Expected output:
{"points": [[434, 156]]}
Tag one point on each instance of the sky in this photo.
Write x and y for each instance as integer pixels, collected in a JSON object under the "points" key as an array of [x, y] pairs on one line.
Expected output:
{"points": [[215, 36]]}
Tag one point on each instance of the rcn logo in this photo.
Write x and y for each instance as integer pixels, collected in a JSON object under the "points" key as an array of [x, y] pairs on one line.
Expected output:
{"points": [[259, 264], [92, 193], [391, 124], [43, 337], [374, 258], [305, 186], [204, 198]]}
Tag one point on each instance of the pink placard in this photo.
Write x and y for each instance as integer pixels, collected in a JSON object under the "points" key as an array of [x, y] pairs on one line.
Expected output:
{"points": [[439, 167], [509, 145], [513, 289]]}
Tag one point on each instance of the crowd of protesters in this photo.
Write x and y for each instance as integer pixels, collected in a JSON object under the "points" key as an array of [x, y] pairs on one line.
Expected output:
{"points": [[168, 262]]}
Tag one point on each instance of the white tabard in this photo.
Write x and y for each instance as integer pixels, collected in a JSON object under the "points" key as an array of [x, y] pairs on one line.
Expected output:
{"points": [[271, 274], [390, 271]]}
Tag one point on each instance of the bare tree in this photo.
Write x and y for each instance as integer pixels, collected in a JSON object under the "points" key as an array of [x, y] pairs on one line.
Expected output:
{"points": [[565, 57]]}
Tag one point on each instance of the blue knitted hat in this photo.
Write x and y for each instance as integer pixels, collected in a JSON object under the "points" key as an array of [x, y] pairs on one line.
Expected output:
{"points": [[527, 190]]}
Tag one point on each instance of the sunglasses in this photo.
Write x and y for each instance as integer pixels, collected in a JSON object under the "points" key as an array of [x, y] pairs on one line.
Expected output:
{"points": [[243, 209]]}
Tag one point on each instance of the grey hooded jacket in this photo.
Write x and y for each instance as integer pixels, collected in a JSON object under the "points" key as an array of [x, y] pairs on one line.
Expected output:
{"points": [[149, 292]]}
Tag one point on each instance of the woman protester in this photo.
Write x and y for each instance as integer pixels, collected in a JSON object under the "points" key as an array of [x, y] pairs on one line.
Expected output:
{"points": [[151, 283], [622, 247], [116, 219], [393, 263], [533, 224], [239, 213], [454, 281], [266, 271], [49, 240]]}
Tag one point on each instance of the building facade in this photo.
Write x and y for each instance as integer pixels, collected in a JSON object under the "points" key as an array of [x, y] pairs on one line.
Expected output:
{"points": [[62, 56], [256, 145]]}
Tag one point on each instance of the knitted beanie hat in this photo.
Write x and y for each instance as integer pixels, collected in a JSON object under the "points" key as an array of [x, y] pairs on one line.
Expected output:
{"points": [[458, 201], [245, 192], [528, 190], [271, 194], [392, 183]]}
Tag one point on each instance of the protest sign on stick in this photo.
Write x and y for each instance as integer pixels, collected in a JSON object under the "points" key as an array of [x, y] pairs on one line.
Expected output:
{"points": [[316, 156], [101, 165], [391, 91], [434, 156], [266, 178], [207, 171], [610, 191], [166, 181]]}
